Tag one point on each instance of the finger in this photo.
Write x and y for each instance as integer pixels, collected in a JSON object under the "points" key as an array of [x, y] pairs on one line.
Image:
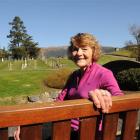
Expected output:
{"points": [[108, 101], [94, 98], [110, 98], [100, 96]]}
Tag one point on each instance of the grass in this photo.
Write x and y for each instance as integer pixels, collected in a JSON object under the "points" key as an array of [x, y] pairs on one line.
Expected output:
{"points": [[16, 81], [123, 53], [21, 83], [107, 58]]}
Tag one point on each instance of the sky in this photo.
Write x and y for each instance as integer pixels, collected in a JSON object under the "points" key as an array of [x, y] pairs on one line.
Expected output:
{"points": [[54, 22]]}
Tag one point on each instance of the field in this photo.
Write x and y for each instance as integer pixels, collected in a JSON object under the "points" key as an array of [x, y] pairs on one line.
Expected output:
{"points": [[123, 53], [22, 78]]}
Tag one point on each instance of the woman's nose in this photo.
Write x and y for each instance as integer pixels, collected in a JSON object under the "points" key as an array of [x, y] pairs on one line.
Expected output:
{"points": [[79, 51]]}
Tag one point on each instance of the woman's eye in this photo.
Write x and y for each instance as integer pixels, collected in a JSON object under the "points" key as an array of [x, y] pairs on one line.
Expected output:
{"points": [[75, 49], [84, 49]]}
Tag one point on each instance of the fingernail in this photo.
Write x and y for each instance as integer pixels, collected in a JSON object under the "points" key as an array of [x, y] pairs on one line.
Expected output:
{"points": [[98, 106]]}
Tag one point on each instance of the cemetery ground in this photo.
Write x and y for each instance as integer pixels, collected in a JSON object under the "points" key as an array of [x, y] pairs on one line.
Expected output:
{"points": [[22, 78]]}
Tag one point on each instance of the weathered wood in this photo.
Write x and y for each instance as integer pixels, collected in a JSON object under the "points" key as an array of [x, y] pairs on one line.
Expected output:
{"points": [[4, 134], [31, 132], [61, 130], [39, 113], [87, 128], [110, 123], [129, 125]]}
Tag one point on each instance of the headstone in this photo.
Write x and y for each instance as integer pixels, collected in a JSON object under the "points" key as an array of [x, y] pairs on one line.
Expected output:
{"points": [[10, 66]]}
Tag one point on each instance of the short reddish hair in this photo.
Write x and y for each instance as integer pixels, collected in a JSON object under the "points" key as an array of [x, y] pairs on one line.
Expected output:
{"points": [[82, 40]]}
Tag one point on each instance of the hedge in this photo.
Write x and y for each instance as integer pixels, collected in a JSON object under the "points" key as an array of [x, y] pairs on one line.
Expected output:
{"points": [[129, 79]]}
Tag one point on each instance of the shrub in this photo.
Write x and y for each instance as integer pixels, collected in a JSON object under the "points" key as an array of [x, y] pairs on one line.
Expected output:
{"points": [[58, 78], [129, 79]]}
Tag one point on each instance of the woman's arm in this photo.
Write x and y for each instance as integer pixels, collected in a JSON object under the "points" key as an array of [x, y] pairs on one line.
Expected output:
{"points": [[109, 83], [109, 87]]}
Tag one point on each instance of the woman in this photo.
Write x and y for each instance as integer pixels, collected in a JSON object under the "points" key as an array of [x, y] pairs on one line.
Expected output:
{"points": [[91, 81]]}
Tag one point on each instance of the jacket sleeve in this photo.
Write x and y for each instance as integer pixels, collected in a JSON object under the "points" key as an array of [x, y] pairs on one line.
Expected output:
{"points": [[109, 83]]}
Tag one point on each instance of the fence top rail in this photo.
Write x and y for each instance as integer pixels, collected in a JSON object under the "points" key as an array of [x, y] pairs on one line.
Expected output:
{"points": [[55, 111]]}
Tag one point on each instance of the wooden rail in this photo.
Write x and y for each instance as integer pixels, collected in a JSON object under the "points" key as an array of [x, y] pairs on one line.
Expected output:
{"points": [[31, 117]]}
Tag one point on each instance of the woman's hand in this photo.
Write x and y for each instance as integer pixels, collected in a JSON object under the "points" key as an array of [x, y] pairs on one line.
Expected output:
{"points": [[102, 99], [17, 133]]}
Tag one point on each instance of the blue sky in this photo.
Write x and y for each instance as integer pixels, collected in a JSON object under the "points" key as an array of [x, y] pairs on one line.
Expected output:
{"points": [[53, 22]]}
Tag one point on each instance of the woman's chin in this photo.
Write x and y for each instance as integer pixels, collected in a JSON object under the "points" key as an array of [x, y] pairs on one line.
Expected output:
{"points": [[81, 65]]}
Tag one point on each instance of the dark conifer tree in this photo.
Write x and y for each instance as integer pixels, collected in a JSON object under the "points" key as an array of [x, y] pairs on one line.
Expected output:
{"points": [[20, 41]]}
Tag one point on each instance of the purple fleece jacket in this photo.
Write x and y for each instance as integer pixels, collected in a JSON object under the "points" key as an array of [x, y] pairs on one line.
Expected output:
{"points": [[94, 77]]}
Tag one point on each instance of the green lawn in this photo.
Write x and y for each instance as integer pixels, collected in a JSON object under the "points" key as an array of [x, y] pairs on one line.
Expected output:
{"points": [[107, 58], [21, 82], [123, 53], [15, 81]]}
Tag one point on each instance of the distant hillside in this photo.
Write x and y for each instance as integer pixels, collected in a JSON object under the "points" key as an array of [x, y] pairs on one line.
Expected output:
{"points": [[106, 49], [54, 52], [61, 51]]}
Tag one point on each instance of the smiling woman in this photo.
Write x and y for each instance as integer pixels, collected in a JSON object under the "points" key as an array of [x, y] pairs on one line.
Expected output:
{"points": [[90, 81]]}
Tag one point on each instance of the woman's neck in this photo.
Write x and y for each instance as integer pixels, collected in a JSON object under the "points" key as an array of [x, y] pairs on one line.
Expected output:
{"points": [[83, 69]]}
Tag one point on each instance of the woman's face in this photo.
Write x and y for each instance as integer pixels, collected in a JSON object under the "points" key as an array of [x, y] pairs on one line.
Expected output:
{"points": [[82, 56]]}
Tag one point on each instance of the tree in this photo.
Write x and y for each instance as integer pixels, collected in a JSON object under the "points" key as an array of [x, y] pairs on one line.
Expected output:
{"points": [[20, 41], [30, 47], [3, 53], [135, 32]]}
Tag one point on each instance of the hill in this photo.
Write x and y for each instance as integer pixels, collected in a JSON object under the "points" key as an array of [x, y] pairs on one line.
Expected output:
{"points": [[53, 52], [107, 49], [61, 51]]}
